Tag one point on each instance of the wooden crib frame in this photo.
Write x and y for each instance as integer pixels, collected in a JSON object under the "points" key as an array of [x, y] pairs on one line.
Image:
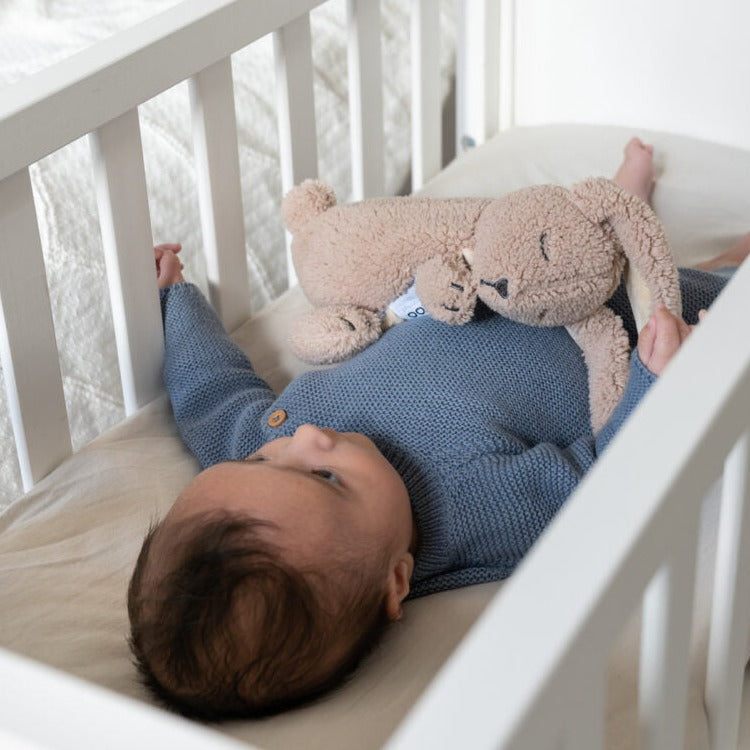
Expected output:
{"points": [[505, 686]]}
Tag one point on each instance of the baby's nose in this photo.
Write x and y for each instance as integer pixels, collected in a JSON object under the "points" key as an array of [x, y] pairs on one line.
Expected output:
{"points": [[308, 435]]}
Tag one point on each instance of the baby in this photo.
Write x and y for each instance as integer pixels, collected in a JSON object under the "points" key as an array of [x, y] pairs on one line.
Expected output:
{"points": [[431, 460]]}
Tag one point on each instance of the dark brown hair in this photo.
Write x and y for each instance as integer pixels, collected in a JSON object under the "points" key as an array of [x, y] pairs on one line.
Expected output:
{"points": [[231, 630]]}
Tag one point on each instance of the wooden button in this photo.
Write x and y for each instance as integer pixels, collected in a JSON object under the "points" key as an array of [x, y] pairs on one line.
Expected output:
{"points": [[277, 418]]}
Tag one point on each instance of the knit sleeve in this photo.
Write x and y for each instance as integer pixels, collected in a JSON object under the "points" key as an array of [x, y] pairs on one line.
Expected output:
{"points": [[509, 496], [216, 396]]}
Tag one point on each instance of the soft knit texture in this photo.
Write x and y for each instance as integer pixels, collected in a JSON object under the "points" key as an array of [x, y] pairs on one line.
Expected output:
{"points": [[487, 423]]}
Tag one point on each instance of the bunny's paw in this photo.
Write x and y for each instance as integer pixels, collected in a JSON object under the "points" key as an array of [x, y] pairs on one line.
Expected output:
{"points": [[332, 334], [447, 290]]}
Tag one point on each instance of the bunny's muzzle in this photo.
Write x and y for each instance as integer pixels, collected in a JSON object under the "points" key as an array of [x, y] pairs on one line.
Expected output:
{"points": [[500, 286]]}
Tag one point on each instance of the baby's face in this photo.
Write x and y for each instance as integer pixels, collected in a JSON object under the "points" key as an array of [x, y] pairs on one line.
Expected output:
{"points": [[319, 489]]}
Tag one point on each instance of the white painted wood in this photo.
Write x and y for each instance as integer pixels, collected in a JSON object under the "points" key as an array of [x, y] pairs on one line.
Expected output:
{"points": [[507, 72], [730, 621], [128, 250], [219, 192], [28, 350], [49, 709], [365, 98], [426, 122], [13, 742], [295, 102], [83, 92], [665, 645], [604, 547], [477, 72]]}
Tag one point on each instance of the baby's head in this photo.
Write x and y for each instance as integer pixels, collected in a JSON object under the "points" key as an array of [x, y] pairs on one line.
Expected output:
{"points": [[271, 577]]}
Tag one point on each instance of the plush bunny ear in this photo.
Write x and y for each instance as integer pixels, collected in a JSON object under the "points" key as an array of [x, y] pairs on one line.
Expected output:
{"points": [[304, 202], [652, 276]]}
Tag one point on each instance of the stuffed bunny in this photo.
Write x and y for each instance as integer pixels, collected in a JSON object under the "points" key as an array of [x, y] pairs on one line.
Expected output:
{"points": [[543, 256]]}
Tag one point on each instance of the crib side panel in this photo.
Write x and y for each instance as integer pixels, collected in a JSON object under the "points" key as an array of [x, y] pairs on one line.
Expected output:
{"points": [[28, 350], [98, 91]]}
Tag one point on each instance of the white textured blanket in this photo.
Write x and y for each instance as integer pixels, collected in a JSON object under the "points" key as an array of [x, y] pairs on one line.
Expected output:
{"points": [[36, 35]]}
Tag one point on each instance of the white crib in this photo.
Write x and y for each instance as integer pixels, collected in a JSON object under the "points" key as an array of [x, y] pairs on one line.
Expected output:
{"points": [[636, 602]]}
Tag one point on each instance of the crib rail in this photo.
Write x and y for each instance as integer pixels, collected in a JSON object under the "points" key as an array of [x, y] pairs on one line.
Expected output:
{"points": [[97, 93], [629, 534]]}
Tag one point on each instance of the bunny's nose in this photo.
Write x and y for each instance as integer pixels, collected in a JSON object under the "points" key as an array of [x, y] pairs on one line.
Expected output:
{"points": [[500, 286]]}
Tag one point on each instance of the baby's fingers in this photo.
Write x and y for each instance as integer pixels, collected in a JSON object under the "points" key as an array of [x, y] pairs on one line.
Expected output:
{"points": [[172, 247], [660, 339], [169, 269]]}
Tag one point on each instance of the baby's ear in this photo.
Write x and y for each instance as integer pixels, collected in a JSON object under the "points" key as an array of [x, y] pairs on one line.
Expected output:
{"points": [[304, 202], [397, 586]]}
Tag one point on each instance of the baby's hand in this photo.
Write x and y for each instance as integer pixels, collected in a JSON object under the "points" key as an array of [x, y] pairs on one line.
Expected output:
{"points": [[660, 339], [168, 266]]}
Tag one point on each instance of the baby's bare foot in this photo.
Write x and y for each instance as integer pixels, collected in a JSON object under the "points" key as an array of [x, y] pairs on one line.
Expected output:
{"points": [[636, 173], [732, 257]]}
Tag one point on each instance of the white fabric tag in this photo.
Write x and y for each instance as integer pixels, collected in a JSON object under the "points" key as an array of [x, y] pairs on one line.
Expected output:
{"points": [[408, 306]]}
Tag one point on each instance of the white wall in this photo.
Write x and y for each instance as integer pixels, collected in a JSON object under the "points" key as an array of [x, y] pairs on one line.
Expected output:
{"points": [[677, 65]]}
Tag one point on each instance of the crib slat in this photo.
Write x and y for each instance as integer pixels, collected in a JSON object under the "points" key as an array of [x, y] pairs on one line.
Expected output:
{"points": [[219, 191], [365, 98], [665, 645], [477, 72], [126, 236], [731, 601], [426, 125], [298, 141], [28, 350], [507, 63]]}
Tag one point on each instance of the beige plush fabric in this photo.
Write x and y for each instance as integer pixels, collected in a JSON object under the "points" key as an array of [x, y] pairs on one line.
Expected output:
{"points": [[67, 548]]}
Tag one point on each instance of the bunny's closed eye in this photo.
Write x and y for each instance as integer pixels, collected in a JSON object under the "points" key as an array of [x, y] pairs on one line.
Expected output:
{"points": [[543, 245]]}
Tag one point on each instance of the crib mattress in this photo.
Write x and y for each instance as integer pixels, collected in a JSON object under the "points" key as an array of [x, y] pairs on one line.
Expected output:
{"points": [[67, 548]]}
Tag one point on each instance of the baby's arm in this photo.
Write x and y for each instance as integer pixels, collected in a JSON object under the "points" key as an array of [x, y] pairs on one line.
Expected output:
{"points": [[217, 398]]}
